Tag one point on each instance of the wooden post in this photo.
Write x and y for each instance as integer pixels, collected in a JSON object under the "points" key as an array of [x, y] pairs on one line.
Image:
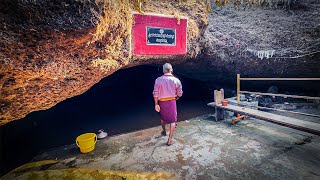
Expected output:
{"points": [[238, 88], [222, 94], [215, 95], [218, 97]]}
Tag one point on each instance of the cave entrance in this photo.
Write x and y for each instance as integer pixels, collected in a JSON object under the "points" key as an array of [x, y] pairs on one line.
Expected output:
{"points": [[119, 103]]}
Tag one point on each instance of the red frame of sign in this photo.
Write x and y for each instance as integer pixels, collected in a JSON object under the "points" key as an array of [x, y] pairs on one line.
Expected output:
{"points": [[139, 34]]}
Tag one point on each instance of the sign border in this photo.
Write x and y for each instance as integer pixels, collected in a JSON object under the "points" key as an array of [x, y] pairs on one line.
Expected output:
{"points": [[138, 53], [175, 37]]}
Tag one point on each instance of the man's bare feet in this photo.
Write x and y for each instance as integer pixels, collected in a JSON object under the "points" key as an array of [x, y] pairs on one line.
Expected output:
{"points": [[164, 133]]}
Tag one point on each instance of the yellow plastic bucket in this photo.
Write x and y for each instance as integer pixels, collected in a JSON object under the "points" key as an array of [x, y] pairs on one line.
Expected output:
{"points": [[86, 142]]}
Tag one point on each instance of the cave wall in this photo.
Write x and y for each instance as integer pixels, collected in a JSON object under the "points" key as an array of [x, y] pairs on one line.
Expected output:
{"points": [[54, 50], [277, 39], [51, 50]]}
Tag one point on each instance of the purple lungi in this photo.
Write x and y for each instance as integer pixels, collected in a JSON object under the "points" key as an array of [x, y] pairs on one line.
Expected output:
{"points": [[168, 111]]}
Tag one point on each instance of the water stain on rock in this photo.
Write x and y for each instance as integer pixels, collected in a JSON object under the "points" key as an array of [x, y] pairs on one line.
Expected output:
{"points": [[180, 159], [181, 141]]}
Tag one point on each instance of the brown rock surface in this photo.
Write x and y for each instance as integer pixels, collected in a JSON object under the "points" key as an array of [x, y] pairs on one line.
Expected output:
{"points": [[52, 50], [235, 36]]}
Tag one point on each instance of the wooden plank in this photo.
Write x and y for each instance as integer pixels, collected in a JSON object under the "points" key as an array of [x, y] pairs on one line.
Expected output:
{"points": [[280, 79], [301, 104], [280, 95], [310, 127], [286, 111]]}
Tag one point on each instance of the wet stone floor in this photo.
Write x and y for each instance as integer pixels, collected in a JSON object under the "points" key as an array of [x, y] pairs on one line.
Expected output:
{"points": [[204, 149]]}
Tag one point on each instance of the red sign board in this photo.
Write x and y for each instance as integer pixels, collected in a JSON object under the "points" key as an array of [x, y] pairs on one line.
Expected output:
{"points": [[158, 34]]}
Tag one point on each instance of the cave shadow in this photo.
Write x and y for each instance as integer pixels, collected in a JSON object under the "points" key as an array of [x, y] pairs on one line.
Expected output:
{"points": [[119, 103]]}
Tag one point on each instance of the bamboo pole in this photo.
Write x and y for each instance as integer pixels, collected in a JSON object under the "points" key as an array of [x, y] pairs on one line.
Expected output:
{"points": [[238, 88], [280, 79], [281, 95]]}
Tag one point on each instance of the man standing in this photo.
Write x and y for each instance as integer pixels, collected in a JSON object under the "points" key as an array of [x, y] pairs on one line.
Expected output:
{"points": [[167, 89]]}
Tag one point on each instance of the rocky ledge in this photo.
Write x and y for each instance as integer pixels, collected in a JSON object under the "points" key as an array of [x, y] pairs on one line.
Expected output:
{"points": [[54, 50]]}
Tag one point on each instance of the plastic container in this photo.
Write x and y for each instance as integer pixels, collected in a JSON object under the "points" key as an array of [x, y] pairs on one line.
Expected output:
{"points": [[224, 102], [101, 134], [86, 142]]}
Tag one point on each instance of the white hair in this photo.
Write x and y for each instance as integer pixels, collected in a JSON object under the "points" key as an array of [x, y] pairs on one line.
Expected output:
{"points": [[167, 67]]}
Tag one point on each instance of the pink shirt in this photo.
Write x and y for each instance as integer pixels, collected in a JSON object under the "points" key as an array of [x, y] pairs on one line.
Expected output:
{"points": [[167, 86]]}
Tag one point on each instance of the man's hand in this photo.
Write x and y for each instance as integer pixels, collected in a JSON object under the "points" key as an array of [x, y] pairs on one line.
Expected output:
{"points": [[157, 107]]}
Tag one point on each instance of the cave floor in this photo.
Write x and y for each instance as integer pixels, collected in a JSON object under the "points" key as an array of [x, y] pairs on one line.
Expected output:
{"points": [[204, 149]]}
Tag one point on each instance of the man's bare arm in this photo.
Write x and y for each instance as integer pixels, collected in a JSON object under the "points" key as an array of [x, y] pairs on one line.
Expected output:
{"points": [[156, 105], [155, 100]]}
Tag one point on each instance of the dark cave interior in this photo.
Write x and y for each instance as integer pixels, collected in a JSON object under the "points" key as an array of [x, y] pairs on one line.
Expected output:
{"points": [[119, 103]]}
